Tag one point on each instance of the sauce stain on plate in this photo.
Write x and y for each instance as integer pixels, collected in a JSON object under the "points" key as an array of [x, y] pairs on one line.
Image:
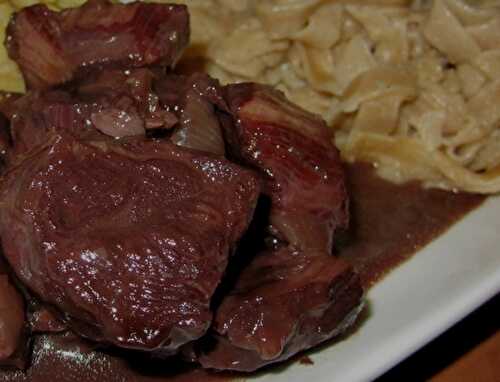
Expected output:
{"points": [[390, 223]]}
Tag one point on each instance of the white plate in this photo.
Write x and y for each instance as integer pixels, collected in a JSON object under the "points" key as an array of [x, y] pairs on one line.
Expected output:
{"points": [[416, 302]]}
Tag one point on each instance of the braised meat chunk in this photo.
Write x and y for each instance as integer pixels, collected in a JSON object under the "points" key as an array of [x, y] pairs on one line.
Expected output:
{"points": [[127, 189], [117, 104], [294, 151], [122, 102], [284, 302], [128, 240], [34, 116], [113, 104], [295, 294], [52, 48]]}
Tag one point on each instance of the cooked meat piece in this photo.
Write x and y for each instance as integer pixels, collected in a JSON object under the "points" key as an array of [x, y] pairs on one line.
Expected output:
{"points": [[295, 294], [55, 47], [127, 239], [284, 302], [115, 103], [294, 150], [126, 99], [119, 104], [194, 100], [37, 114], [12, 341]]}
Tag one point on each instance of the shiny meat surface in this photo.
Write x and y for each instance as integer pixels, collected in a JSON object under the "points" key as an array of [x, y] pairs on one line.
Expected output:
{"points": [[55, 47], [112, 103], [295, 294], [284, 302], [129, 239], [121, 103], [127, 188], [294, 151], [65, 359], [125, 103], [37, 114]]}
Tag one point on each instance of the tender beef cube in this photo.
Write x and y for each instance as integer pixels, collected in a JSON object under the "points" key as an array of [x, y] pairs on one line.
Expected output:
{"points": [[37, 114], [284, 302], [128, 104], [127, 239], [56, 47], [295, 294], [119, 104], [294, 151], [12, 322], [119, 211], [112, 103]]}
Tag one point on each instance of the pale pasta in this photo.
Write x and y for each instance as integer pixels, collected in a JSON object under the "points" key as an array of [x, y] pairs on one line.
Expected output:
{"points": [[412, 86]]}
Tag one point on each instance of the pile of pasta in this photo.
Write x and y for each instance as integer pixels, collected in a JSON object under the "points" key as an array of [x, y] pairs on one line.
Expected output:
{"points": [[411, 86]]}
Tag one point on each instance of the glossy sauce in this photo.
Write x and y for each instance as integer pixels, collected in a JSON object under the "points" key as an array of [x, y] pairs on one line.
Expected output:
{"points": [[388, 224]]}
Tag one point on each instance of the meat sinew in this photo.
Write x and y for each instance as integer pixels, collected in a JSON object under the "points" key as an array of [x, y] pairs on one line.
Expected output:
{"points": [[295, 294], [129, 240], [52, 48]]}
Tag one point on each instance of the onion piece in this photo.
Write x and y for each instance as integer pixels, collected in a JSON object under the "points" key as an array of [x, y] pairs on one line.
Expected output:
{"points": [[118, 123], [200, 129]]}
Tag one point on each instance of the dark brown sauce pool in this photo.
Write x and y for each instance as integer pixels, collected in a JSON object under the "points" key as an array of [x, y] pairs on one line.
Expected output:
{"points": [[389, 224]]}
